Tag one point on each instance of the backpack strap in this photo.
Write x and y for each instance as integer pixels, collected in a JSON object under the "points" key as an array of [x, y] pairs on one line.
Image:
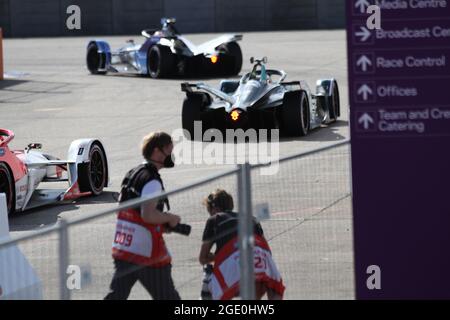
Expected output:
{"points": [[135, 180]]}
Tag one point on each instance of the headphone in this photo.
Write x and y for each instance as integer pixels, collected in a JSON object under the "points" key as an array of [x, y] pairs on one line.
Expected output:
{"points": [[210, 201]]}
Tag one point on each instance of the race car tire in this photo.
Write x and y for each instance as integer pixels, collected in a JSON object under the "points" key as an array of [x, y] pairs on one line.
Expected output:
{"points": [[93, 59], [233, 51], [335, 107], [193, 106], [295, 114], [160, 62], [93, 175], [332, 99], [7, 187]]}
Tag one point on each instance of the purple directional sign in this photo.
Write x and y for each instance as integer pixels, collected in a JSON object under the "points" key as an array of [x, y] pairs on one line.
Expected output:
{"points": [[399, 86], [414, 63], [402, 122], [393, 9], [401, 91], [408, 33]]}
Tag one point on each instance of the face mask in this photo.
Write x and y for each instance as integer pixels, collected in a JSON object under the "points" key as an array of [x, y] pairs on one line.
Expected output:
{"points": [[168, 162]]}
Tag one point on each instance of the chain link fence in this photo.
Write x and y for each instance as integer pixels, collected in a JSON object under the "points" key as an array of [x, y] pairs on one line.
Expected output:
{"points": [[309, 231]]}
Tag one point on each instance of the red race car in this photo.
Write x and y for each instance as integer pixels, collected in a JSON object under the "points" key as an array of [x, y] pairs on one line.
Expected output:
{"points": [[21, 172]]}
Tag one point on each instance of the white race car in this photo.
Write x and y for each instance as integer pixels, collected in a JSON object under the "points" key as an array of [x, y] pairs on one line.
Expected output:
{"points": [[21, 172], [166, 53]]}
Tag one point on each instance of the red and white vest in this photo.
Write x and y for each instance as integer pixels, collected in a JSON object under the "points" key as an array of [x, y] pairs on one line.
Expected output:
{"points": [[138, 242], [224, 284]]}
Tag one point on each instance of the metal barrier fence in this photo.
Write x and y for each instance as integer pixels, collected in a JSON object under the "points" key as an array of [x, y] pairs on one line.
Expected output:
{"points": [[309, 232]]}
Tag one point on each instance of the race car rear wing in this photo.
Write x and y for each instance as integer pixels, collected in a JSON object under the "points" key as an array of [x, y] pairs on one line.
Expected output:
{"points": [[210, 47], [187, 87]]}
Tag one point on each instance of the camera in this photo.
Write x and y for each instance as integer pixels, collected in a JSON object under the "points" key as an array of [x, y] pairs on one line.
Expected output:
{"points": [[181, 228]]}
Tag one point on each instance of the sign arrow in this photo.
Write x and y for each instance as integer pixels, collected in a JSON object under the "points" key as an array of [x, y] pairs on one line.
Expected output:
{"points": [[364, 34], [362, 5], [365, 91], [366, 120], [364, 62]]}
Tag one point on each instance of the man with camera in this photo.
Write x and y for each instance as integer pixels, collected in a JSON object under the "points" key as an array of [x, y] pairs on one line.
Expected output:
{"points": [[139, 251], [221, 280]]}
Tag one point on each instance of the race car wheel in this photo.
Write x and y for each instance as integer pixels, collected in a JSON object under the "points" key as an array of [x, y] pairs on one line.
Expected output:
{"points": [[92, 176], [193, 106], [334, 103], [7, 187], [93, 59], [295, 114], [233, 51], [160, 62]]}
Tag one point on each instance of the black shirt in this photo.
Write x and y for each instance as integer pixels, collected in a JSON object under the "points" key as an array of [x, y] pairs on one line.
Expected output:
{"points": [[136, 179], [223, 227]]}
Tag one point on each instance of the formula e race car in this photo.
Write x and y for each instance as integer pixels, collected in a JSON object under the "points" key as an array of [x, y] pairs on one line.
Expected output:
{"points": [[166, 53], [260, 100], [21, 171]]}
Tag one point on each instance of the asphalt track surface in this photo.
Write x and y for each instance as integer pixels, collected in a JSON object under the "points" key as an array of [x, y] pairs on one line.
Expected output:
{"points": [[49, 97]]}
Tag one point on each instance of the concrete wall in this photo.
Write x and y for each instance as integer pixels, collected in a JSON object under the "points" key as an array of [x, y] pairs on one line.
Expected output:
{"points": [[30, 18], [5, 22]]}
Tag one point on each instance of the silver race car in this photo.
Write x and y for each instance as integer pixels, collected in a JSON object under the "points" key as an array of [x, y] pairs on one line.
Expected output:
{"points": [[167, 53], [22, 171], [261, 100]]}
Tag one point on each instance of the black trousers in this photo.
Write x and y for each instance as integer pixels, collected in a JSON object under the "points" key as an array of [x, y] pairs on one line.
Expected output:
{"points": [[157, 281]]}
